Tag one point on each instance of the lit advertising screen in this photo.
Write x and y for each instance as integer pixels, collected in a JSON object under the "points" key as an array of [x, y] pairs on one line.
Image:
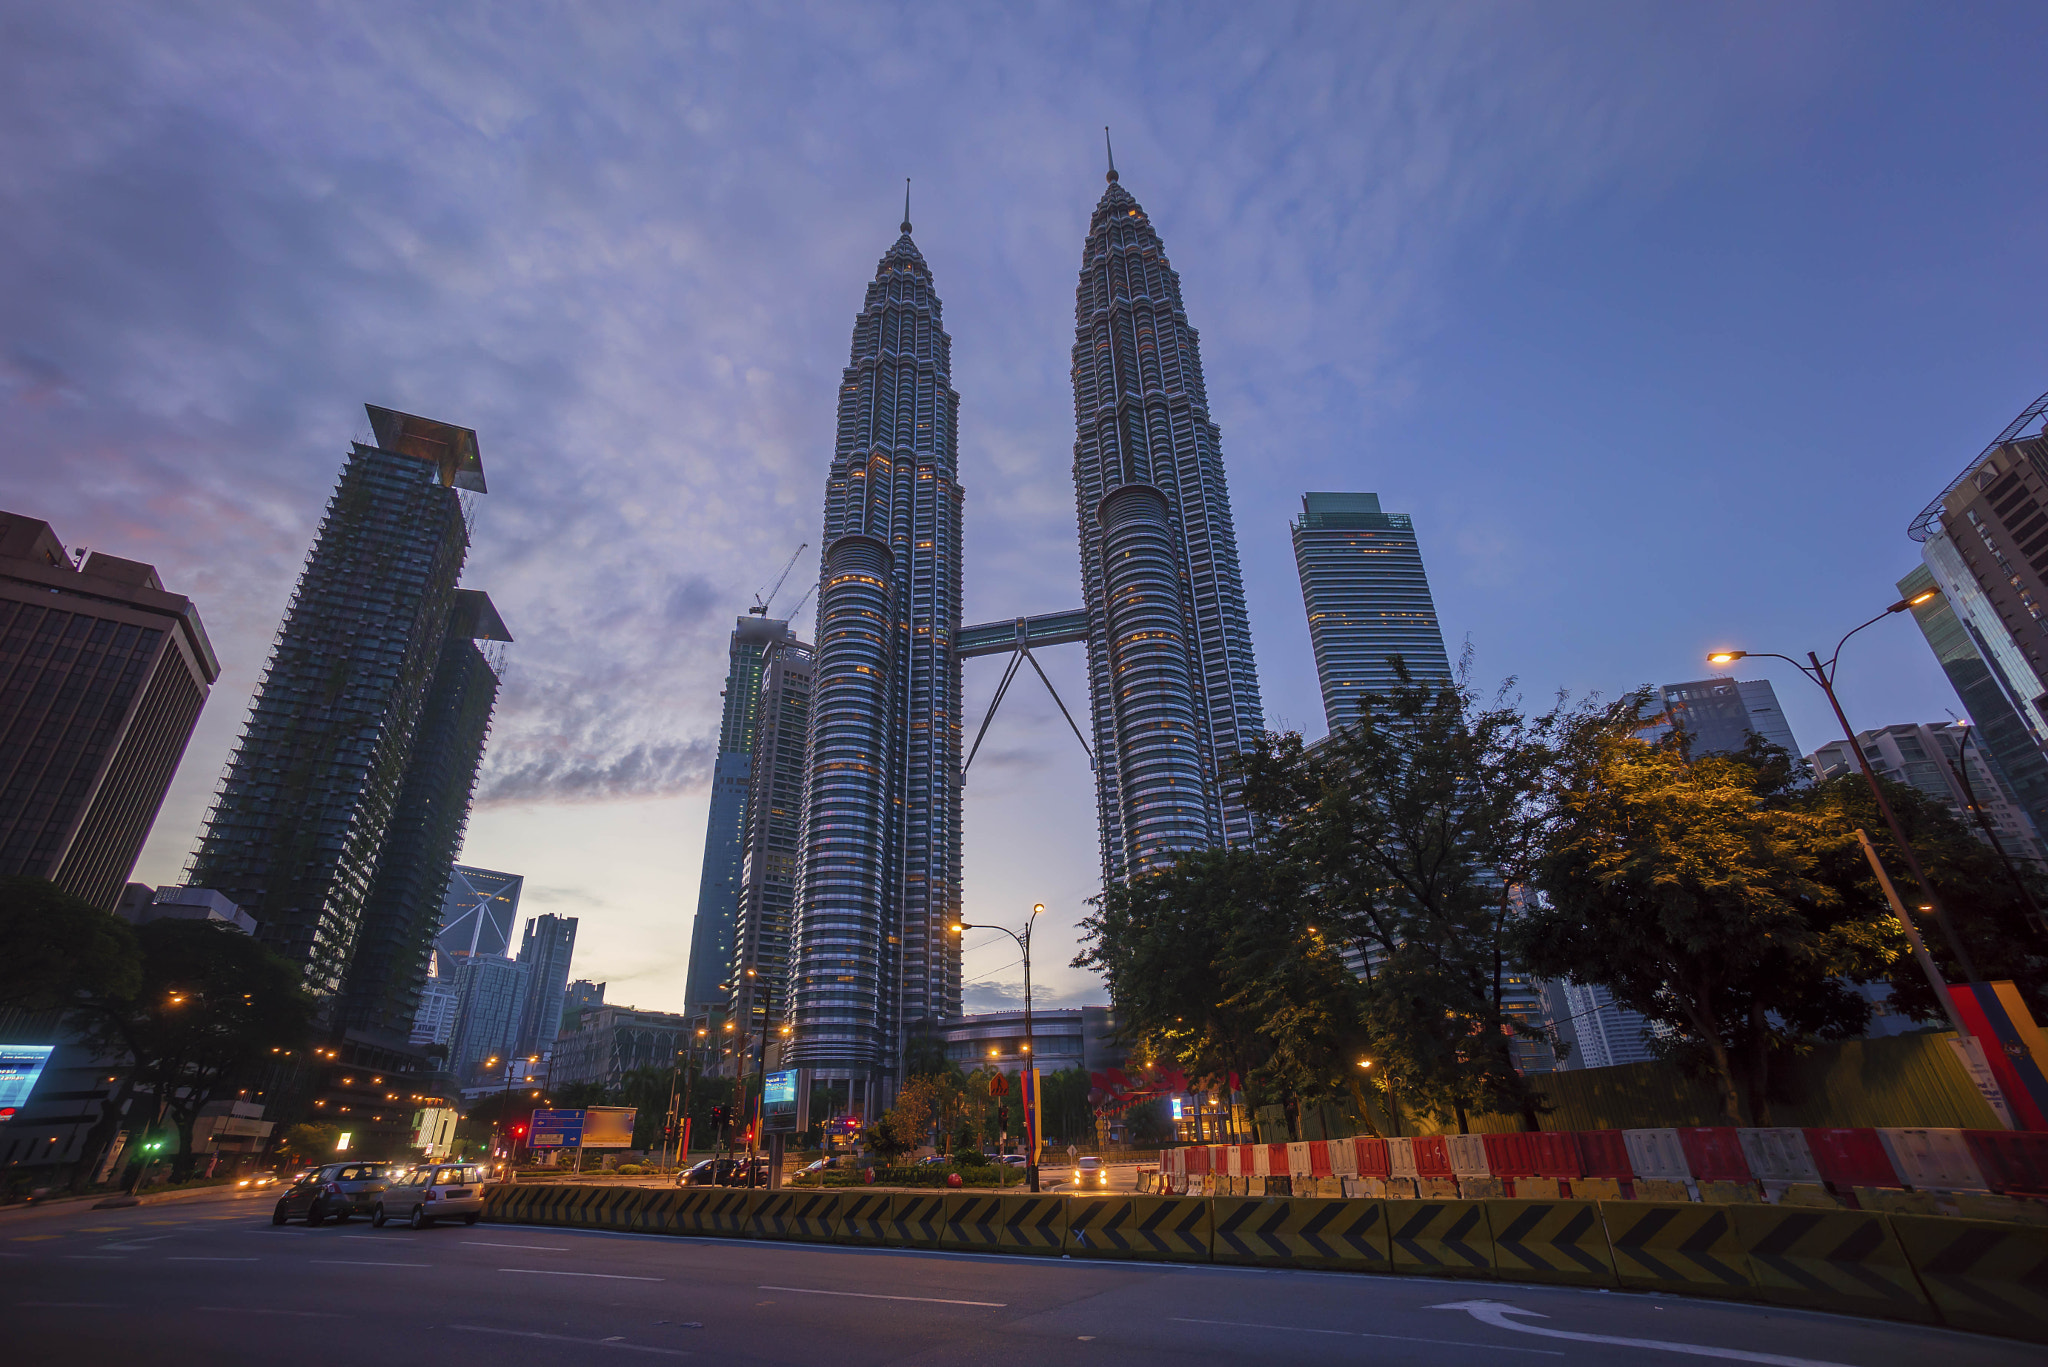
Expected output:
{"points": [[781, 1088], [20, 1066], [784, 1101]]}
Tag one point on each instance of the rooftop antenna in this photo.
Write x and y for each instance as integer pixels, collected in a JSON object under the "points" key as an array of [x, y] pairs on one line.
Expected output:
{"points": [[906, 204], [1111, 177], [760, 608]]}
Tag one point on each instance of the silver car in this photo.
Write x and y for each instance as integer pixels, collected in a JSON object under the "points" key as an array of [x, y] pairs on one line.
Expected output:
{"points": [[335, 1191], [436, 1191]]}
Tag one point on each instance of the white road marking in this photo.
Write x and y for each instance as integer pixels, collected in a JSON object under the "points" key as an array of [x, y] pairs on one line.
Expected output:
{"points": [[69, 1305], [265, 1310], [871, 1296], [352, 1262], [537, 1248], [563, 1338], [1359, 1334], [196, 1259], [1496, 1314], [606, 1276]]}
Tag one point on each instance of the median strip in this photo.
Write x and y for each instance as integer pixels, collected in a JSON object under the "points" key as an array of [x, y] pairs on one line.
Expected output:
{"points": [[605, 1276]]}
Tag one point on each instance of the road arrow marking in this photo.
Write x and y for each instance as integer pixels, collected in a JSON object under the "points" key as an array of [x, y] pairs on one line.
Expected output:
{"points": [[1496, 1314]]}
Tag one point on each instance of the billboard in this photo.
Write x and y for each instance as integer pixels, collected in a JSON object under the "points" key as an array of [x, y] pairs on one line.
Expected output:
{"points": [[20, 1066], [609, 1127], [786, 1101]]}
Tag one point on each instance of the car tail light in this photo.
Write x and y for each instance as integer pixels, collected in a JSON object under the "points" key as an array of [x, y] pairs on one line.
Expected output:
{"points": [[334, 1188], [430, 1193]]}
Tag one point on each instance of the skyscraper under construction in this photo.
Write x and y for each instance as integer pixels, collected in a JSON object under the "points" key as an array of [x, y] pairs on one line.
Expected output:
{"points": [[880, 877], [1173, 689]]}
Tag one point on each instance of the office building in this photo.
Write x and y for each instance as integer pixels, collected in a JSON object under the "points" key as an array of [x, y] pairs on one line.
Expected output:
{"points": [[2003, 731], [440, 1002], [765, 935], [1368, 601], [545, 950], [141, 904], [607, 1042], [402, 914], [1173, 689], [1720, 715], [1594, 1031], [880, 873], [1982, 545], [478, 911], [725, 834], [491, 993], [102, 675], [1944, 761], [578, 997], [300, 823]]}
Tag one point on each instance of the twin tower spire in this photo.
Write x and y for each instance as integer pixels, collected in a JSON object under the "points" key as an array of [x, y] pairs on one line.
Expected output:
{"points": [[1172, 689]]}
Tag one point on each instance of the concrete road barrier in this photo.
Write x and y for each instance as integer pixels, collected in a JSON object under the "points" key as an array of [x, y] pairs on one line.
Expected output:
{"points": [[1843, 1260], [1981, 1275], [973, 1223], [916, 1221], [1677, 1246], [1440, 1238], [808, 1216], [1551, 1241], [1166, 1228], [1033, 1224], [1300, 1232], [864, 1217]]}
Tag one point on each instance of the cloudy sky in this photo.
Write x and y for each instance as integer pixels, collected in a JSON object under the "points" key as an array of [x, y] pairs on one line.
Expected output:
{"points": [[1662, 320]]}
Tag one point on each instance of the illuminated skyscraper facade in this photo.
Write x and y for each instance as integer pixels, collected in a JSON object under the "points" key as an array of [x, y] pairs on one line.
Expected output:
{"points": [[880, 871], [1368, 601], [1173, 689]]}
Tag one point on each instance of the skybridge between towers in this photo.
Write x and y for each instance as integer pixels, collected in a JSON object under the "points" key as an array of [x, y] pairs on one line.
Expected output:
{"points": [[1017, 637]]}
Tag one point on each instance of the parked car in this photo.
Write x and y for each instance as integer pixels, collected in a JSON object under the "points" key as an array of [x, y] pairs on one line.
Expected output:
{"points": [[1089, 1172], [336, 1190], [439, 1191], [819, 1165], [1008, 1160]]}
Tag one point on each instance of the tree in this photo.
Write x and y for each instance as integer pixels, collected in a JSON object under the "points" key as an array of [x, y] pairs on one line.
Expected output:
{"points": [[921, 1103], [1692, 888], [1989, 915], [1411, 833], [63, 953], [310, 1143], [211, 1003]]}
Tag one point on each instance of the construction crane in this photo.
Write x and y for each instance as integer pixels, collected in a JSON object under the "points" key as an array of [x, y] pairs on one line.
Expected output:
{"points": [[760, 608], [803, 600]]}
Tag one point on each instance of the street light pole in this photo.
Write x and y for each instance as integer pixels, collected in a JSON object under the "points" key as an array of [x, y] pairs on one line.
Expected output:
{"points": [[1034, 1118], [1823, 674]]}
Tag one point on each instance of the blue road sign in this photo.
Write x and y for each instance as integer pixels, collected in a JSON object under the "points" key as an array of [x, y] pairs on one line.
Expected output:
{"points": [[556, 1130]]}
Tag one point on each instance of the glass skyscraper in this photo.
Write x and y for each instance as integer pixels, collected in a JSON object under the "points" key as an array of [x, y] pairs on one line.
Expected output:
{"points": [[765, 934], [300, 825], [1172, 686], [880, 874], [725, 832], [1368, 601]]}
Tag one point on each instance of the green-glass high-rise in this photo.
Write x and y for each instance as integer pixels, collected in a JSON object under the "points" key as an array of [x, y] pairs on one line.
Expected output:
{"points": [[300, 825]]}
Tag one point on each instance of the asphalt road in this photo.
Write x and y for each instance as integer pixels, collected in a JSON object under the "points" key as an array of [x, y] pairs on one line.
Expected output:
{"points": [[210, 1281]]}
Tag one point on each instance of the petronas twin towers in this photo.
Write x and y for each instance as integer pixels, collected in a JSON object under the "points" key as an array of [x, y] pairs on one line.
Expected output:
{"points": [[1173, 691]]}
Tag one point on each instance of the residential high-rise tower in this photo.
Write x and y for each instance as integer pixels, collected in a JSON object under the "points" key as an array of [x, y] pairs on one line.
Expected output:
{"points": [[102, 675], [1173, 689], [881, 854], [298, 829], [1368, 601]]}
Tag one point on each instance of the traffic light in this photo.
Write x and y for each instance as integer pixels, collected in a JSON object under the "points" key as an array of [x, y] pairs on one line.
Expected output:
{"points": [[518, 1130]]}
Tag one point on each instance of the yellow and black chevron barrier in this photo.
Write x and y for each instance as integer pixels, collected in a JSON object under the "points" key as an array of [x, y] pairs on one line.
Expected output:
{"points": [[973, 1222], [1285, 1231], [1846, 1260], [1440, 1238], [1172, 1228], [864, 1217], [1677, 1246], [916, 1219], [1550, 1241], [810, 1216], [1981, 1274]]}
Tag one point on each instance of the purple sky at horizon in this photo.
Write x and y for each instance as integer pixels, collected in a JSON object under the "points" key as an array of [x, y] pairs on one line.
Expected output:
{"points": [[1663, 322]]}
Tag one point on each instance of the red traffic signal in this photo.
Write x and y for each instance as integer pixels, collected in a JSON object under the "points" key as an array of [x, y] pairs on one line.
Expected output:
{"points": [[518, 1130]]}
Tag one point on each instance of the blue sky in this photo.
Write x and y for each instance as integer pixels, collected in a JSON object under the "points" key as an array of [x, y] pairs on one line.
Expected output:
{"points": [[1663, 321]]}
